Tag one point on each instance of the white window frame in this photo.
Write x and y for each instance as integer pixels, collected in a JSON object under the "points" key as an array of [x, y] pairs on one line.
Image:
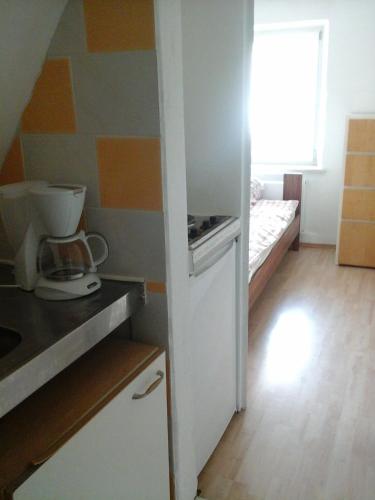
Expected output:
{"points": [[321, 27]]}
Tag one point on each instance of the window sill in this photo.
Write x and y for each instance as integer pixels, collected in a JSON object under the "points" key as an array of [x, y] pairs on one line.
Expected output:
{"points": [[263, 169]]}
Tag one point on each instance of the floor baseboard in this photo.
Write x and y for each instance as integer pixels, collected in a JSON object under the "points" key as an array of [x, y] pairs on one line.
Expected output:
{"points": [[317, 245]]}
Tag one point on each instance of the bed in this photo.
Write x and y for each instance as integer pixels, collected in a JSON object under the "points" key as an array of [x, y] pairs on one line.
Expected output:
{"points": [[274, 229]]}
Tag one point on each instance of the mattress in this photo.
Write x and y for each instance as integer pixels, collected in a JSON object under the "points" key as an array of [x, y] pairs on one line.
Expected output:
{"points": [[269, 219]]}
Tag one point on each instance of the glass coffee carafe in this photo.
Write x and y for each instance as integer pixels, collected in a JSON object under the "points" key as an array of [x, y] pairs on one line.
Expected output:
{"points": [[68, 259]]}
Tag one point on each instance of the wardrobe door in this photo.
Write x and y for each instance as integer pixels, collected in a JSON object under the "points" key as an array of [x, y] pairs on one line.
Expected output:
{"points": [[356, 246]]}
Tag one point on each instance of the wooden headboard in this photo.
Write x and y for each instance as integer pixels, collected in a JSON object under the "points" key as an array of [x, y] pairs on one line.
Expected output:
{"points": [[293, 189]]}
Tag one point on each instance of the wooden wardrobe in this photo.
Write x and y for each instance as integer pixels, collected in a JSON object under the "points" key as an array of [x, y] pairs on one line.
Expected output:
{"points": [[356, 241]]}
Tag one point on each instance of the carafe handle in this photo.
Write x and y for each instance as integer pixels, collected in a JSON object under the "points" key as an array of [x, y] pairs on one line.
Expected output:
{"points": [[104, 255], [41, 246]]}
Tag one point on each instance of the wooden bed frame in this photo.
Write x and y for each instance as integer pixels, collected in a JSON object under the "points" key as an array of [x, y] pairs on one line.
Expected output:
{"points": [[290, 240]]}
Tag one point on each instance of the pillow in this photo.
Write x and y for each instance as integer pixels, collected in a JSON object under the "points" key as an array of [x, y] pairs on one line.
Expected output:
{"points": [[256, 190]]}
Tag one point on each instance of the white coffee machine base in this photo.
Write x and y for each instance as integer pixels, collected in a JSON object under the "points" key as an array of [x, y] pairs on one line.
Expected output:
{"points": [[67, 290]]}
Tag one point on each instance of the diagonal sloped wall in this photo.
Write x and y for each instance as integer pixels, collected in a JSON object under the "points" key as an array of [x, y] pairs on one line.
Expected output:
{"points": [[26, 29]]}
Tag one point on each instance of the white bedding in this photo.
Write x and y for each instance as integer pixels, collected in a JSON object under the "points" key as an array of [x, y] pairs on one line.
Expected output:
{"points": [[269, 219]]}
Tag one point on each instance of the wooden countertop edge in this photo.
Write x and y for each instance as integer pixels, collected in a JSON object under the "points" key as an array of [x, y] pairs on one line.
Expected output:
{"points": [[8, 486]]}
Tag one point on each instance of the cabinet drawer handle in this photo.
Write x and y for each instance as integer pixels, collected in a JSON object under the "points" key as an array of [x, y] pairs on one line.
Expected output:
{"points": [[151, 388]]}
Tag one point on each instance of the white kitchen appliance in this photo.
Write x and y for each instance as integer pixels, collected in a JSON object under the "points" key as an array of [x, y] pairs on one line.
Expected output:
{"points": [[47, 215], [213, 326]]}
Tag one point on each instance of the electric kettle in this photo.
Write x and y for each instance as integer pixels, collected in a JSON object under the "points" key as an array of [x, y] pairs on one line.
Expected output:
{"points": [[67, 268]]}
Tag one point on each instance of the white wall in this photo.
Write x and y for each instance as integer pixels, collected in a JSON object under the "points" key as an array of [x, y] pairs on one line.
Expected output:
{"points": [[213, 34], [217, 40], [26, 29], [350, 88], [169, 56], [210, 105]]}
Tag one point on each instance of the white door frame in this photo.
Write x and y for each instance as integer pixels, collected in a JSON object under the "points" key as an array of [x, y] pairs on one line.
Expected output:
{"points": [[243, 247]]}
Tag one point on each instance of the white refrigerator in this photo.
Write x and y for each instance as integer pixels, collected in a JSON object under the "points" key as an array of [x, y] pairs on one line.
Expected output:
{"points": [[212, 311]]}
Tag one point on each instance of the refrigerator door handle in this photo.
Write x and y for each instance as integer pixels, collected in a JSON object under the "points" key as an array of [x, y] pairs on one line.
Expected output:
{"points": [[204, 265]]}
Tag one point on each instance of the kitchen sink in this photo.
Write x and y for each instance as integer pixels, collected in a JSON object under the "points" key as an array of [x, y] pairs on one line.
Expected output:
{"points": [[9, 340]]}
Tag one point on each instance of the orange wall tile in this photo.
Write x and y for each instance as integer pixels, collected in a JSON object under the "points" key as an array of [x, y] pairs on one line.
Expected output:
{"points": [[155, 287], [115, 25], [51, 108], [130, 173], [12, 168]]}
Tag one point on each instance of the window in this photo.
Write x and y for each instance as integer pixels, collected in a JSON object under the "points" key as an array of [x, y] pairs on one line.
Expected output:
{"points": [[286, 94]]}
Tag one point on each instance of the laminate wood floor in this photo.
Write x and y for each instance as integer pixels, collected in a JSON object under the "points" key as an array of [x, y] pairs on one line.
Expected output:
{"points": [[309, 430]]}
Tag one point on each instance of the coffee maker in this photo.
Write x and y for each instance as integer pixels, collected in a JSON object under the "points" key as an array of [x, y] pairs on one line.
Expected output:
{"points": [[41, 222]]}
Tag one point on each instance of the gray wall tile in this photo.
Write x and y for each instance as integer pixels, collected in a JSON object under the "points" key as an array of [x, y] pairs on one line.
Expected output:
{"points": [[150, 323], [135, 239], [117, 93], [69, 37], [63, 158]]}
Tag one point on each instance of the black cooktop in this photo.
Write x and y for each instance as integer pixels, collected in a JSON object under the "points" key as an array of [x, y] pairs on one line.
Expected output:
{"points": [[201, 226]]}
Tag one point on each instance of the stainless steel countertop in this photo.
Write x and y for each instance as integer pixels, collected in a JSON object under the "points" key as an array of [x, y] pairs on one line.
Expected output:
{"points": [[54, 334]]}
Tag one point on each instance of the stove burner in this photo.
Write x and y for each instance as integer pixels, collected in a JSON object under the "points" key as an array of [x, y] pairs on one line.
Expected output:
{"points": [[202, 226], [190, 221]]}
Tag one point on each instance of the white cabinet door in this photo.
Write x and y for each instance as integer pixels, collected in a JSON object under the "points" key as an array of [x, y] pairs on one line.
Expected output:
{"points": [[122, 453]]}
